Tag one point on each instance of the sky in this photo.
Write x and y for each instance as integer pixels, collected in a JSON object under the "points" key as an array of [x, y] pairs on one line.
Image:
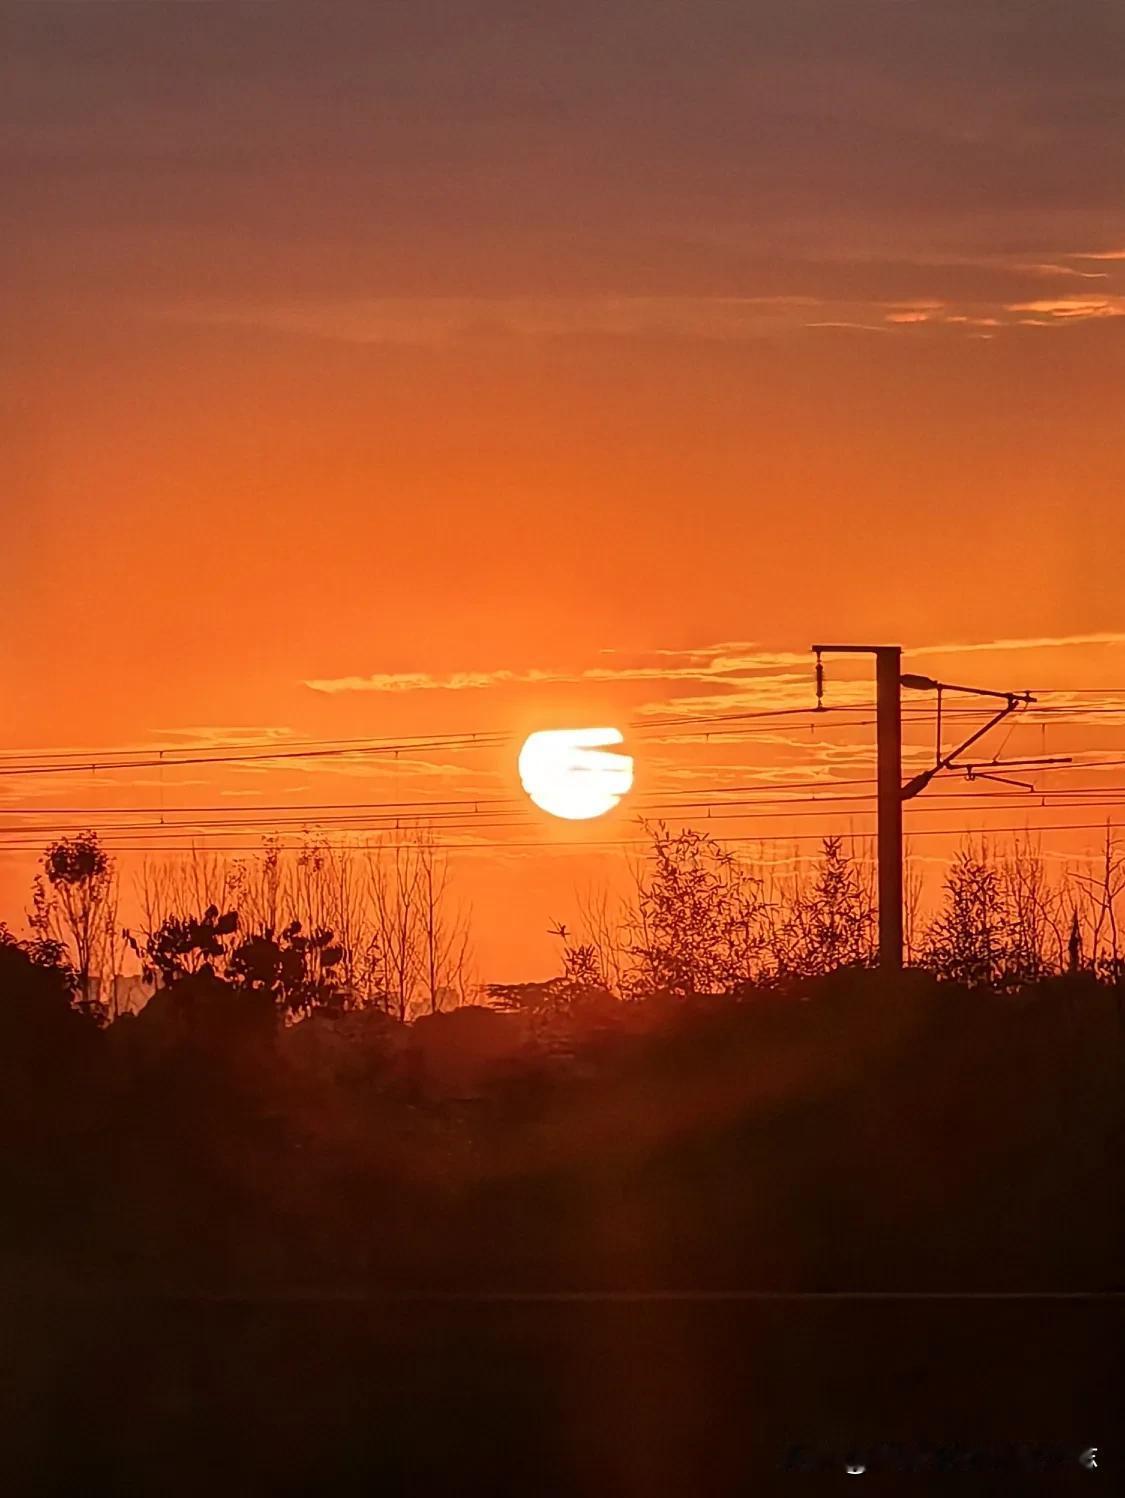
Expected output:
{"points": [[401, 370]]}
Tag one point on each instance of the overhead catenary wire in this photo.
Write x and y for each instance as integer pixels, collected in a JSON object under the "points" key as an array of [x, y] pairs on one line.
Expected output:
{"points": [[690, 804], [484, 846], [71, 761], [511, 818], [805, 790], [279, 748]]}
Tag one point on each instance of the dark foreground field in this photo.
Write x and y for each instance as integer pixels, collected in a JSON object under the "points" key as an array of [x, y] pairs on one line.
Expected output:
{"points": [[652, 1250], [632, 1398]]}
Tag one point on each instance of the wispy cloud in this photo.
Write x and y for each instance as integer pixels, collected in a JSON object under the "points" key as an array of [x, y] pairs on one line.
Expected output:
{"points": [[702, 682], [222, 736], [438, 320], [423, 681], [709, 663], [1068, 271], [856, 327], [951, 295], [1035, 642], [1073, 308]]}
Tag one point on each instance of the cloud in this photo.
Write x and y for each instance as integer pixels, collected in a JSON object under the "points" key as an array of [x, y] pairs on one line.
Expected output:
{"points": [[861, 327], [1049, 269], [222, 736], [423, 681], [351, 150], [717, 662], [1035, 642], [742, 673], [47, 787], [439, 320], [779, 294], [731, 662], [740, 677], [1074, 308]]}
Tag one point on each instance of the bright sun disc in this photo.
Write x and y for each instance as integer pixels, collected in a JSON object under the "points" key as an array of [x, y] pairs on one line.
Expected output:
{"points": [[566, 772]]}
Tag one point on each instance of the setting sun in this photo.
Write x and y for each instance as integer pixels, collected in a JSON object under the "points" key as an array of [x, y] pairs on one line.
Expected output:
{"points": [[567, 773]]}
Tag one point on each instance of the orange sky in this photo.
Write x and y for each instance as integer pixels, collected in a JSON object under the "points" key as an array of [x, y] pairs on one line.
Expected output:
{"points": [[345, 342]]}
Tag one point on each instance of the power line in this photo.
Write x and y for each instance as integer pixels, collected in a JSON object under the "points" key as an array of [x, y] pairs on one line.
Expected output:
{"points": [[710, 804], [690, 803], [173, 757], [494, 846], [358, 817], [163, 760], [284, 748], [372, 743], [812, 790]]}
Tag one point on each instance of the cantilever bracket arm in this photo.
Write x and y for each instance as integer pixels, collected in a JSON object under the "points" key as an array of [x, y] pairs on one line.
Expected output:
{"points": [[1012, 701], [971, 773]]}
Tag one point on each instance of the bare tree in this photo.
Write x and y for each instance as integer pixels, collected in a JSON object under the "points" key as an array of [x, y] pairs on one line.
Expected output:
{"points": [[184, 887], [1101, 890], [343, 873], [912, 889], [443, 930], [605, 926], [1036, 910], [260, 887], [394, 879]]}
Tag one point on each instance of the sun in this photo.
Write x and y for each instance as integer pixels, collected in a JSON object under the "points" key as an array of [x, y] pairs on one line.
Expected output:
{"points": [[567, 773]]}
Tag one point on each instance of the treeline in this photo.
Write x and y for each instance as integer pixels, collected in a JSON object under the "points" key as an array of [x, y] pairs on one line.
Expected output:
{"points": [[653, 1116], [380, 927], [838, 1133], [318, 928]]}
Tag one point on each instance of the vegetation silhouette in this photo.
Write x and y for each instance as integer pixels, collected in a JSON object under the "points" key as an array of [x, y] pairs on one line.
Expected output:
{"points": [[752, 1103], [715, 1093]]}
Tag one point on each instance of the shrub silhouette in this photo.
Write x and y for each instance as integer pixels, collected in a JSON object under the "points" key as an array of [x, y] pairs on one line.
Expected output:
{"points": [[297, 972]]}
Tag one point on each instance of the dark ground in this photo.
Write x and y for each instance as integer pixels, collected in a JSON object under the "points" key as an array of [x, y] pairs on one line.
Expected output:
{"points": [[341, 1259], [632, 1398]]}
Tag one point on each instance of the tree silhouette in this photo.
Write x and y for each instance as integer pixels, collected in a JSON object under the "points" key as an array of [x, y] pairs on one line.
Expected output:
{"points": [[698, 924], [295, 970], [79, 910], [970, 940], [299, 972], [182, 945], [832, 920], [42, 1031]]}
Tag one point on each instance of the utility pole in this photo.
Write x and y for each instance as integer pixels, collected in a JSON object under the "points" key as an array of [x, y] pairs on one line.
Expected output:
{"points": [[889, 682], [888, 716], [888, 732]]}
